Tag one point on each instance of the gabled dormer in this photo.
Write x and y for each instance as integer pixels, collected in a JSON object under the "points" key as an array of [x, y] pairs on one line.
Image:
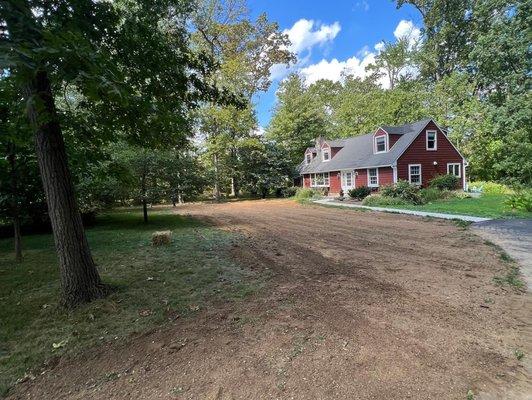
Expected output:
{"points": [[310, 154], [381, 141], [326, 153]]}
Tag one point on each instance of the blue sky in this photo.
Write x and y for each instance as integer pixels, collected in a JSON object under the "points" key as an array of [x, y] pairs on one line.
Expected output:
{"points": [[332, 36]]}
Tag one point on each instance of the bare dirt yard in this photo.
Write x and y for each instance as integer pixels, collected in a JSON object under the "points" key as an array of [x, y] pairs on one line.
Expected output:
{"points": [[358, 305]]}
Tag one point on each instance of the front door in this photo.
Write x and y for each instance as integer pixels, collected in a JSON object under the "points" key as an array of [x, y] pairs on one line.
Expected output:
{"points": [[348, 181]]}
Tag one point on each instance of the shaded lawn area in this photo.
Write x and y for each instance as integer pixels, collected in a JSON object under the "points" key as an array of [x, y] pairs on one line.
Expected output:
{"points": [[490, 206], [154, 285]]}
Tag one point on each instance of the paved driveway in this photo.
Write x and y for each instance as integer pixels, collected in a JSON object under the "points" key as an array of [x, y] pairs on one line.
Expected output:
{"points": [[515, 237]]}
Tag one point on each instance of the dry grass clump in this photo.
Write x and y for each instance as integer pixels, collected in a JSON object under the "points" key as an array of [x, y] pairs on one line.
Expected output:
{"points": [[161, 238]]}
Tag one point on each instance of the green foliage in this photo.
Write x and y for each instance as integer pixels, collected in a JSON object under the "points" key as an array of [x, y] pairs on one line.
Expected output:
{"points": [[379, 200], [289, 191], [403, 190], [432, 194], [489, 188], [520, 200], [306, 194], [519, 354], [445, 182], [360, 192]]}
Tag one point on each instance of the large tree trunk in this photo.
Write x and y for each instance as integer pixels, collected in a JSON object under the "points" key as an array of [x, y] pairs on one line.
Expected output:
{"points": [[18, 238], [216, 179], [14, 204], [80, 281]]}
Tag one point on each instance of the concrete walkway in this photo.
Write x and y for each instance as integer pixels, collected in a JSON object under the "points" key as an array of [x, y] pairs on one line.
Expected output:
{"points": [[468, 218]]}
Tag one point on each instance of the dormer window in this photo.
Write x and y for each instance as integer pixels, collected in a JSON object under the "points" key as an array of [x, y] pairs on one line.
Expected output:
{"points": [[308, 158], [432, 140], [380, 144], [326, 155]]}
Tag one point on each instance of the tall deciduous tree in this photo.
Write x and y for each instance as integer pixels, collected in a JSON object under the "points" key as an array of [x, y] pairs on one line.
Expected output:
{"points": [[97, 47]]}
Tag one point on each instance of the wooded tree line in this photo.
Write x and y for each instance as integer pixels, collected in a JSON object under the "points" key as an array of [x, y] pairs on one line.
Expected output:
{"points": [[141, 101], [470, 71]]}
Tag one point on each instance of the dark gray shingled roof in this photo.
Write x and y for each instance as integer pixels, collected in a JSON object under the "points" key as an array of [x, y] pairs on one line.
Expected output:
{"points": [[357, 152]]}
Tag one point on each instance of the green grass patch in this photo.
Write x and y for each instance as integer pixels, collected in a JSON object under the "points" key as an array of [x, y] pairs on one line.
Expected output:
{"points": [[512, 277], [490, 206], [155, 284]]}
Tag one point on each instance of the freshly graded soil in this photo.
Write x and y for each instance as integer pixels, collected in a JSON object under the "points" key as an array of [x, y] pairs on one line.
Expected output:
{"points": [[358, 305]]}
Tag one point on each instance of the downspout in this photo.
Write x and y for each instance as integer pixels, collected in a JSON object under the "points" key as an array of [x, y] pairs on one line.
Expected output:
{"points": [[394, 170]]}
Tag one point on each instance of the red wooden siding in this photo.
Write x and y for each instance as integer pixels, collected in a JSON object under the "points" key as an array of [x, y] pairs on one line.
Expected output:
{"points": [[335, 184], [417, 153], [335, 150], [385, 176], [393, 139], [306, 180]]}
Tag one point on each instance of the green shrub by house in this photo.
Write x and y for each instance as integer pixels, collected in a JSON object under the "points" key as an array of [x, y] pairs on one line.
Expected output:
{"points": [[403, 190], [360, 192], [445, 182], [377, 200]]}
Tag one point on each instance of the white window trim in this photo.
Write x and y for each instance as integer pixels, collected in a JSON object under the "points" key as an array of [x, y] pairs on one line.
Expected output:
{"points": [[435, 139], [326, 181], [420, 174], [375, 144], [343, 179], [323, 151], [372, 184], [307, 156], [459, 169]]}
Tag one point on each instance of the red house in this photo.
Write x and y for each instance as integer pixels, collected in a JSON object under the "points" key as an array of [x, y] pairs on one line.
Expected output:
{"points": [[414, 152]]}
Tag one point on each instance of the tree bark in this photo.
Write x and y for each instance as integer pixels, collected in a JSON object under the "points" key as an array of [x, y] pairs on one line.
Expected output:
{"points": [[145, 210], [216, 178], [14, 203], [80, 281], [18, 238]]}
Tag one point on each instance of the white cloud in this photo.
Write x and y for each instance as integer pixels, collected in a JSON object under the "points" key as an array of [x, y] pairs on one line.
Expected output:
{"points": [[335, 70], [407, 30], [303, 36]]}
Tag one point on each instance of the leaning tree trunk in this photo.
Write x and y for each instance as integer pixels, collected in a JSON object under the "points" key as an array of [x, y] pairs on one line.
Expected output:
{"points": [[80, 281]]}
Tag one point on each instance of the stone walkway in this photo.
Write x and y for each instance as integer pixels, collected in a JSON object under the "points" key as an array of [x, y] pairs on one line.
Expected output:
{"points": [[468, 218]]}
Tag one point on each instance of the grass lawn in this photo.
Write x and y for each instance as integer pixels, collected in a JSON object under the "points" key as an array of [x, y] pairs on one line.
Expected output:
{"points": [[491, 206], [155, 284]]}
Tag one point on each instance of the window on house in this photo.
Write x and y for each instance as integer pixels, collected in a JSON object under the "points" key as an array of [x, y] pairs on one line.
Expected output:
{"points": [[319, 180], [373, 177], [414, 174], [326, 155], [309, 158], [432, 140], [380, 144], [454, 169]]}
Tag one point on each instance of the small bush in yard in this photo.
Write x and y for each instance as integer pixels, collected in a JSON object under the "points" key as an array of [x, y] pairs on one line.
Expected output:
{"points": [[360, 192], [377, 200], [432, 194], [520, 200], [306, 194], [403, 190], [445, 182]]}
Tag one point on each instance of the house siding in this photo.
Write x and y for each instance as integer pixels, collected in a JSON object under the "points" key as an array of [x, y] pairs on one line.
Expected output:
{"points": [[417, 153], [393, 139], [385, 176], [306, 180]]}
